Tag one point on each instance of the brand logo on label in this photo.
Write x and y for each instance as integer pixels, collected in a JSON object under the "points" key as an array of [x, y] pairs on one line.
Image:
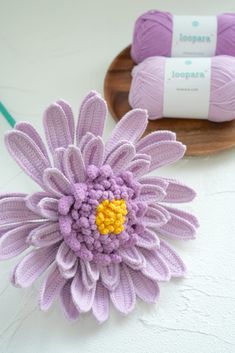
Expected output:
{"points": [[194, 38], [187, 74], [195, 23]]}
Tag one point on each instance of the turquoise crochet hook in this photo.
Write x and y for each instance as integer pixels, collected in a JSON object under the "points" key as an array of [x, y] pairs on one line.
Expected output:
{"points": [[11, 121]]}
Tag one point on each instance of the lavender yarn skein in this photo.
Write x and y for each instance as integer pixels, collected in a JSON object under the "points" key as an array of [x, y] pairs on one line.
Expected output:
{"points": [[153, 35], [147, 88]]}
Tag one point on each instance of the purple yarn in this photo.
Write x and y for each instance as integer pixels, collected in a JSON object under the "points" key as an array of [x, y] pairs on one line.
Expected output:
{"points": [[153, 35], [147, 87]]}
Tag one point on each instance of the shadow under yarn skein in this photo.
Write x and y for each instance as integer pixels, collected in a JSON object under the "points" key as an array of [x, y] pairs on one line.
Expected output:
{"points": [[147, 88], [153, 35]]}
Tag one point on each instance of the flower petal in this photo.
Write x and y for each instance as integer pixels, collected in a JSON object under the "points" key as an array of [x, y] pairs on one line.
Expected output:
{"points": [[174, 263], [85, 140], [138, 167], [90, 274], [74, 165], [164, 153], [123, 296], [70, 311], [29, 130], [145, 288], [71, 272], [93, 152], [132, 257], [147, 239], [33, 265], [51, 287], [120, 156], [57, 127], [33, 200], [100, 307], [153, 180], [58, 159], [154, 217], [13, 242], [82, 298], [150, 193], [130, 128], [65, 257], [7, 195], [13, 209], [69, 115], [92, 116], [48, 208], [153, 137], [183, 214], [45, 235], [177, 192], [110, 276], [27, 154], [155, 269], [178, 228], [56, 182]]}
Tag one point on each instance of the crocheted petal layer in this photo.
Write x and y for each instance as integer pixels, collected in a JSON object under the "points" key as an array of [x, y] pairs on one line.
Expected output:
{"points": [[177, 192], [45, 235], [85, 140], [33, 200], [123, 296], [147, 239], [29, 130], [153, 137], [145, 288], [69, 115], [171, 258], [65, 257], [82, 298], [6, 195], [74, 165], [57, 127], [178, 228], [32, 266], [155, 269], [55, 182], [13, 242], [48, 208], [100, 307], [183, 214], [150, 193], [153, 180], [164, 153], [27, 154], [129, 128], [93, 152], [69, 309], [110, 276], [154, 217], [71, 272], [90, 274], [92, 116], [132, 257], [51, 288], [14, 209], [139, 167], [58, 158], [120, 156]]}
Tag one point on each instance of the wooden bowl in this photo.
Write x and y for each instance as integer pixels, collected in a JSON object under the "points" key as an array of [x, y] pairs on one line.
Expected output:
{"points": [[201, 137]]}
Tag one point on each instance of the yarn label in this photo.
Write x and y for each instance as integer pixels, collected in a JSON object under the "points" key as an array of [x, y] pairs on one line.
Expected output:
{"points": [[194, 36], [187, 88]]}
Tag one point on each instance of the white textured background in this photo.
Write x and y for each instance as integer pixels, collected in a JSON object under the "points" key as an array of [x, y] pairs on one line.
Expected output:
{"points": [[51, 49]]}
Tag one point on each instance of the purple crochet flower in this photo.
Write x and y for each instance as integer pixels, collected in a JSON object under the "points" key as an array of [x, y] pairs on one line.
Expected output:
{"points": [[97, 225]]}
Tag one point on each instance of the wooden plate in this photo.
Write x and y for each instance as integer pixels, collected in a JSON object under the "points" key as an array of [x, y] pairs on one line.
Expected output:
{"points": [[201, 137]]}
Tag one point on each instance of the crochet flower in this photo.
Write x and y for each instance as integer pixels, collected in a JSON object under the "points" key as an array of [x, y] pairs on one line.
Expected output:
{"points": [[96, 228]]}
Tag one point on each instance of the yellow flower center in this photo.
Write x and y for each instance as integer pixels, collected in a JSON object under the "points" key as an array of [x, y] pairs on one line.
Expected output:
{"points": [[110, 216]]}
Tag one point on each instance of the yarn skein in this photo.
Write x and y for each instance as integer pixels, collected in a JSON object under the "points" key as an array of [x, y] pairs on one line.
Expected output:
{"points": [[147, 87], [153, 34]]}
